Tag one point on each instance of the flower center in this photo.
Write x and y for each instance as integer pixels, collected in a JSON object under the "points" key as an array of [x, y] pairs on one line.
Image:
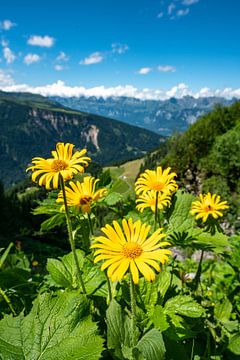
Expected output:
{"points": [[208, 208], [132, 250], [58, 165], [85, 200], [157, 186]]}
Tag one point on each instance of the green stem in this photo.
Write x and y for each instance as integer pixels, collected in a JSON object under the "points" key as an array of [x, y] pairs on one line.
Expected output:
{"points": [[133, 311], [156, 211], [90, 223], [199, 271], [70, 236], [109, 288], [8, 301]]}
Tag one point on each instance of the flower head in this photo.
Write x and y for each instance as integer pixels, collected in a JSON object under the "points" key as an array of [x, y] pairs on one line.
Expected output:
{"points": [[209, 205], [82, 195], [47, 171], [148, 199], [129, 247], [157, 180]]}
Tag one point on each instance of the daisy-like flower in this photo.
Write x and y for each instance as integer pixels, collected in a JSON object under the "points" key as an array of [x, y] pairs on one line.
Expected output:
{"points": [[158, 180], [82, 195], [129, 248], [47, 171], [148, 199], [209, 205]]}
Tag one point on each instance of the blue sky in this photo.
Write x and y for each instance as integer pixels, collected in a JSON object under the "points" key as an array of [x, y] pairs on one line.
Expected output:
{"points": [[114, 47]]}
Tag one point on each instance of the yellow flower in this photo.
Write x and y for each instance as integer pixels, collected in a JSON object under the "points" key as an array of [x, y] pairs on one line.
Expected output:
{"points": [[129, 247], [148, 199], [157, 180], [82, 194], [208, 205], [47, 171]]}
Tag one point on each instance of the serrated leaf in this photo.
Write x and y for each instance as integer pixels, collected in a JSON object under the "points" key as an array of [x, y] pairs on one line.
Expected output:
{"points": [[56, 328], [184, 305], [151, 345], [159, 319], [59, 273]]}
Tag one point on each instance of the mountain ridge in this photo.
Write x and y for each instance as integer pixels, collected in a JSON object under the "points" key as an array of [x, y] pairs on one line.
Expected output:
{"points": [[161, 116]]}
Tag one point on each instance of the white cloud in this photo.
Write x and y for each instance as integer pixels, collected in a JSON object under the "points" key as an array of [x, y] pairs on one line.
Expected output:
{"points": [[160, 15], [62, 56], [43, 41], [166, 68], [119, 48], [144, 70], [61, 89], [4, 43], [5, 79], [58, 67], [7, 24], [8, 55], [171, 7], [31, 58], [94, 58], [182, 12], [189, 2]]}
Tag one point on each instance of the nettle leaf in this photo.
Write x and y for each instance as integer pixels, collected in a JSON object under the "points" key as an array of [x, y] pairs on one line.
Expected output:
{"points": [[181, 220], [56, 328], [118, 330], [184, 305], [151, 345]]}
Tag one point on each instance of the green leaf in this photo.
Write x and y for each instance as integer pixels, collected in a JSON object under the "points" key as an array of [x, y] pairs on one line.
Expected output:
{"points": [[5, 255], [118, 330], [151, 345], [159, 319], [59, 273], [115, 328], [113, 198], [56, 328], [223, 310], [163, 282], [181, 220], [234, 344], [218, 242], [52, 222], [184, 305]]}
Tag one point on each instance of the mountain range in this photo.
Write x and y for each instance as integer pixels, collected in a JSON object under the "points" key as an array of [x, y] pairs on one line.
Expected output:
{"points": [[163, 117], [31, 125]]}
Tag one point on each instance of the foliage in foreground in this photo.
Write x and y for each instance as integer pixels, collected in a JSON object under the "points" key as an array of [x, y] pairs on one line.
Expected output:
{"points": [[190, 311]]}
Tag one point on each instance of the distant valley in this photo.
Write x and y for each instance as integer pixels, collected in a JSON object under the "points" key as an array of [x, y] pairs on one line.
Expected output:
{"points": [[163, 117], [31, 125]]}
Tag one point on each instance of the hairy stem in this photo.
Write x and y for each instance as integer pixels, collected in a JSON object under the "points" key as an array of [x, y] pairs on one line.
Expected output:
{"points": [[70, 236], [156, 211], [133, 311]]}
